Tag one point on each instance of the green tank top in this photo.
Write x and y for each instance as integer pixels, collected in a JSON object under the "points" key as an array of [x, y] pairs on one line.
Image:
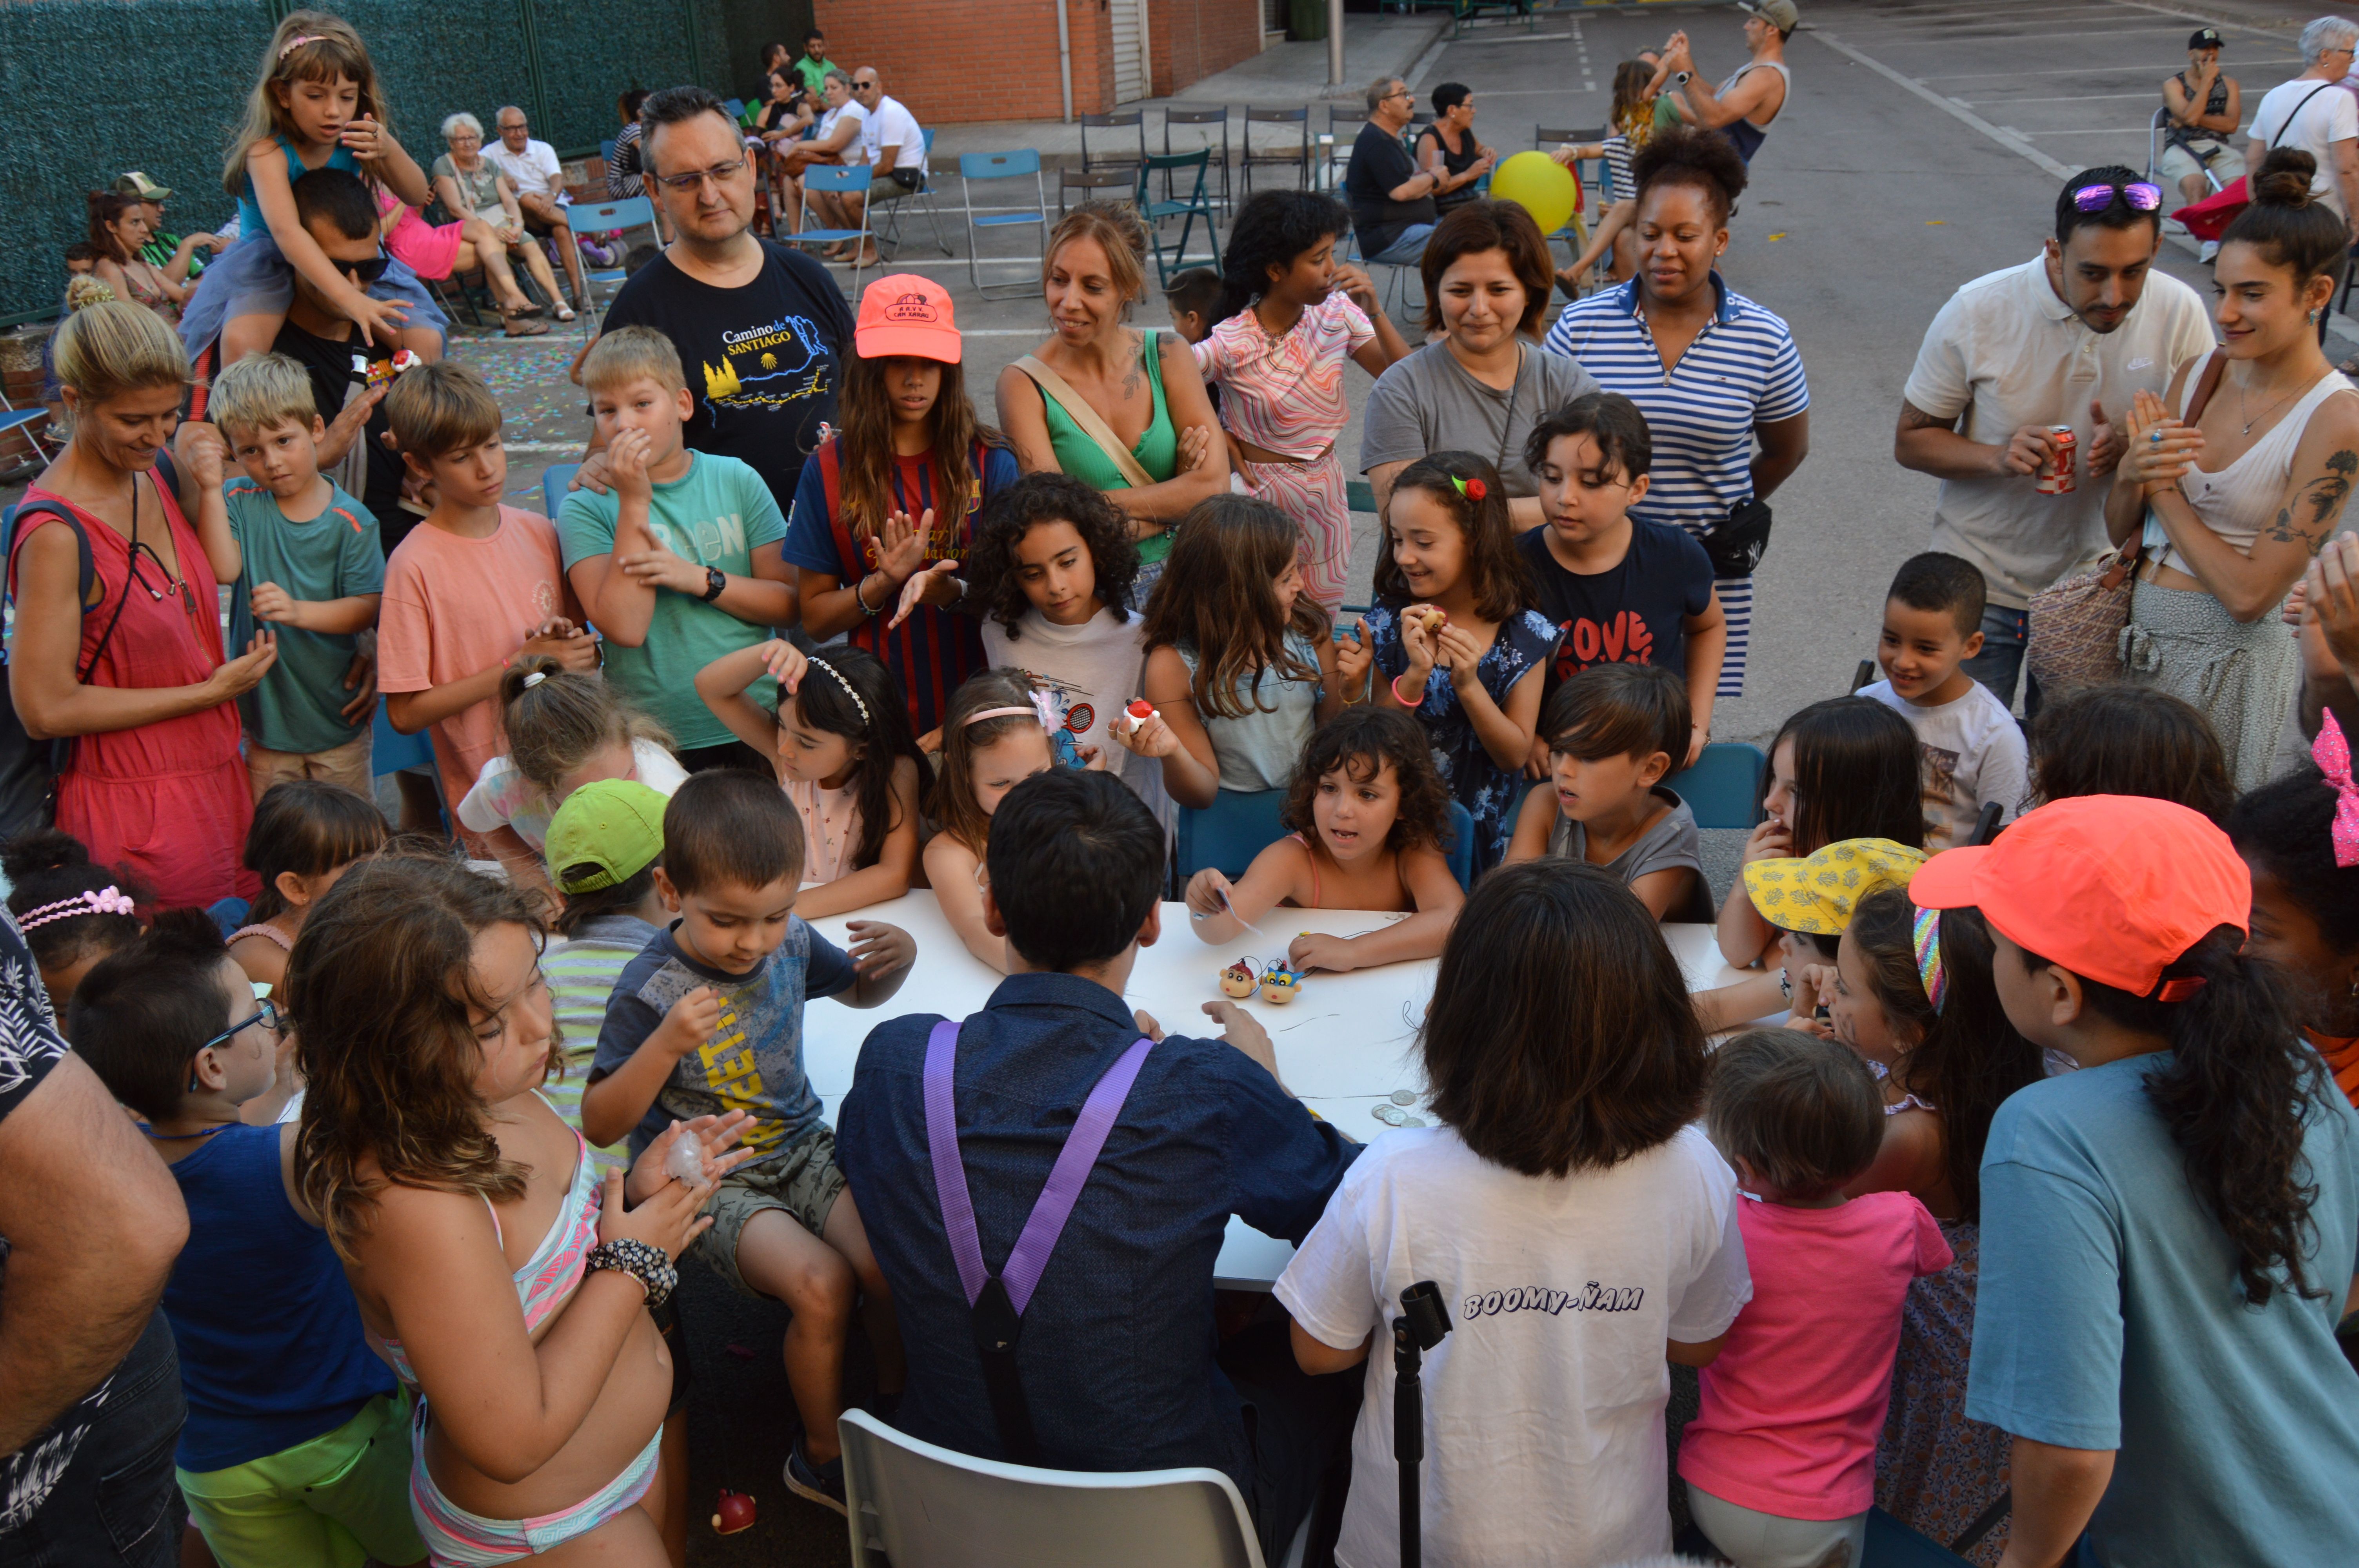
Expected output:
{"points": [[1157, 450]]}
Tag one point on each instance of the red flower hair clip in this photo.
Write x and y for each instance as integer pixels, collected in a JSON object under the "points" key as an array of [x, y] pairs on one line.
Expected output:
{"points": [[1472, 489]]}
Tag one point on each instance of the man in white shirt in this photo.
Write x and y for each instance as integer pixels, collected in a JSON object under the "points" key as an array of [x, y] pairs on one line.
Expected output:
{"points": [[891, 144], [540, 192], [2067, 339]]}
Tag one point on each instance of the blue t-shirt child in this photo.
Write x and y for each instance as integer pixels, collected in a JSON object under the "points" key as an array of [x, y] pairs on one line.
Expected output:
{"points": [[2109, 1318], [299, 705]]}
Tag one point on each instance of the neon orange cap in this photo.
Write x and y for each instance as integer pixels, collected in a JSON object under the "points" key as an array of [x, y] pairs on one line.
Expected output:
{"points": [[904, 314]]}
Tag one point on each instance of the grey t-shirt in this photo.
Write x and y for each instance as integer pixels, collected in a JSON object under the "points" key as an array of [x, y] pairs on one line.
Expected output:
{"points": [[1671, 843], [1428, 402]]}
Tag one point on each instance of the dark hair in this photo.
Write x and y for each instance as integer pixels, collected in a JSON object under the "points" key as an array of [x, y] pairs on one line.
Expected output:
{"points": [[2236, 1094], [2286, 826], [1618, 425], [1216, 600], [1690, 155], [1450, 95], [1483, 225], [1802, 1112], [339, 197], [1360, 741], [2115, 214], [2129, 739], [148, 1008], [1195, 292], [50, 865], [814, 33], [82, 250], [633, 100], [1272, 228], [729, 824], [1076, 863], [956, 807], [1857, 769], [1936, 582], [1049, 497], [1620, 710], [1560, 1035], [1501, 582], [309, 827], [580, 908], [881, 735], [1967, 1057], [670, 107], [108, 207], [773, 51], [2286, 224]]}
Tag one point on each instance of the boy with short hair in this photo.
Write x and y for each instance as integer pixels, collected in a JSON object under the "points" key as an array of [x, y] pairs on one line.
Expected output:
{"points": [[1971, 748], [312, 572], [681, 561], [295, 1449], [1193, 295], [708, 1019], [1620, 590], [473, 585]]}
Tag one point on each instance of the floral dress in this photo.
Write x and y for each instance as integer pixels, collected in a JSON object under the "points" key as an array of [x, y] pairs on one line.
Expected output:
{"points": [[1526, 642], [1937, 1472]]}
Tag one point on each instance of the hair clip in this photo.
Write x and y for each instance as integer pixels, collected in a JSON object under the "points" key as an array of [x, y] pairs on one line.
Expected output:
{"points": [[297, 42], [1045, 707], [856, 702], [1472, 489], [2331, 752], [1935, 979], [535, 678], [111, 900]]}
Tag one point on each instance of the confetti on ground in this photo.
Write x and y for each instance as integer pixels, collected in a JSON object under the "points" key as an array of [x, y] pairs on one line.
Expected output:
{"points": [[1935, 222], [542, 410], [1778, 236]]}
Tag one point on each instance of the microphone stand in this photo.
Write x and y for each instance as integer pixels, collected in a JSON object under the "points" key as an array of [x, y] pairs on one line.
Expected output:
{"points": [[1424, 1320]]}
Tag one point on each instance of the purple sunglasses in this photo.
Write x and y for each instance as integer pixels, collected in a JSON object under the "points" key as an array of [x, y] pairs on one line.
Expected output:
{"points": [[2141, 194]]}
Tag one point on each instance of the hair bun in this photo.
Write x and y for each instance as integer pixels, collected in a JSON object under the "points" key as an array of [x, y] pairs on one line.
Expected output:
{"points": [[2285, 178], [45, 850]]}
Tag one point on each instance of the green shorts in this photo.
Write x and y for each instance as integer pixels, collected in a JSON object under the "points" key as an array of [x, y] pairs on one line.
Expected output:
{"points": [[337, 1501], [801, 1179]]}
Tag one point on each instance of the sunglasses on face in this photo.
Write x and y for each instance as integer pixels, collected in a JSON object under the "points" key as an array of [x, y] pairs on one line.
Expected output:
{"points": [[367, 271], [2140, 194]]}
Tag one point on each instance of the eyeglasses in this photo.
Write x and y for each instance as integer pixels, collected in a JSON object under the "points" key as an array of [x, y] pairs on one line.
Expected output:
{"points": [[367, 271], [1398, 92], [519, 125], [266, 1014], [719, 174], [2140, 194]]}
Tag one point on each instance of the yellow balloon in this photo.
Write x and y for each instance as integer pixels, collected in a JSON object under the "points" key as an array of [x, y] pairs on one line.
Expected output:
{"points": [[1539, 185]]}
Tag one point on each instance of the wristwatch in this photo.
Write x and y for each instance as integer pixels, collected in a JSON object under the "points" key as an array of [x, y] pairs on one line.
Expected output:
{"points": [[1682, 79], [715, 579]]}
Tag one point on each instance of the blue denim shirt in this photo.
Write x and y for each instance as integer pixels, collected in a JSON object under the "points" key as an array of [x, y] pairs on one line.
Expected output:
{"points": [[1117, 1350]]}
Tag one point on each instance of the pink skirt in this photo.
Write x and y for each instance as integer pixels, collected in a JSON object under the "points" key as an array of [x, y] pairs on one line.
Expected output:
{"points": [[426, 249]]}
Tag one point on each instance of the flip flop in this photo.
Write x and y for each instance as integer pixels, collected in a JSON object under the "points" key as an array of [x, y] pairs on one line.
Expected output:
{"points": [[520, 329], [522, 312]]}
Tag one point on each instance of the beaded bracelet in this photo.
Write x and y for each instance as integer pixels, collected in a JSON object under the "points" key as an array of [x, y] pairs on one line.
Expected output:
{"points": [[643, 1261]]}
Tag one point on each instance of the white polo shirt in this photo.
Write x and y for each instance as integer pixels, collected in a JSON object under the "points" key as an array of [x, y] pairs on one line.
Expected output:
{"points": [[2007, 352], [891, 125], [535, 170]]}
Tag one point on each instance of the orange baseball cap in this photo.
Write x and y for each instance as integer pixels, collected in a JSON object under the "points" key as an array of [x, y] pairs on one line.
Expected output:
{"points": [[904, 314], [2115, 887]]}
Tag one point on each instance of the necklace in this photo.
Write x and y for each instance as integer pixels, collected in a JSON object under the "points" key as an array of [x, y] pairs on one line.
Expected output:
{"points": [[2244, 398]]}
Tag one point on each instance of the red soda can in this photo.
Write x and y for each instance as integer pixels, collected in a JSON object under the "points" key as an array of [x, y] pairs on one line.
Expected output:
{"points": [[2056, 473]]}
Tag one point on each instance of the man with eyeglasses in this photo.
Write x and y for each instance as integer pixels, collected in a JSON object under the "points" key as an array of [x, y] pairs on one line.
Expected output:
{"points": [[2067, 339], [2307, 113], [541, 190], [1393, 210]]}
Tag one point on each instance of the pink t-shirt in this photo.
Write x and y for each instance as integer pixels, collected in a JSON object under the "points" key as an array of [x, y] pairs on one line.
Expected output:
{"points": [[454, 606], [1794, 1403]]}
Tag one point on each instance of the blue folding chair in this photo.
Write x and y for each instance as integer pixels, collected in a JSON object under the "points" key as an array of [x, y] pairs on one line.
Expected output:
{"points": [[1227, 834], [554, 484], [1197, 205], [921, 199], [1723, 789], [1458, 846], [625, 214], [25, 418], [976, 167], [852, 181]]}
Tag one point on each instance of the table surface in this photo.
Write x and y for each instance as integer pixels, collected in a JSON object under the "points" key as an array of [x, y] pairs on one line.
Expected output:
{"points": [[1347, 1047]]}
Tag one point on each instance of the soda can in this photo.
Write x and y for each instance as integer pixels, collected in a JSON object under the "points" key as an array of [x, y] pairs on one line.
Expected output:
{"points": [[2056, 473]]}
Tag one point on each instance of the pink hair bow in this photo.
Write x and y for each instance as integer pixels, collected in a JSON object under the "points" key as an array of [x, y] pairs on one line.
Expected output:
{"points": [[2331, 752]]}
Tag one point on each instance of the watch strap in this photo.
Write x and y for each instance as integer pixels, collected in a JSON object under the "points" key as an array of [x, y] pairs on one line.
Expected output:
{"points": [[715, 582]]}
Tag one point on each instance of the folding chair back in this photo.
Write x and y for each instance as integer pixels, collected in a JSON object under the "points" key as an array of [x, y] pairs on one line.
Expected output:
{"points": [[1092, 184], [627, 214], [1182, 115], [851, 180], [922, 198], [1173, 166], [1291, 152], [1723, 789], [976, 169], [1227, 834], [553, 483], [1121, 157]]}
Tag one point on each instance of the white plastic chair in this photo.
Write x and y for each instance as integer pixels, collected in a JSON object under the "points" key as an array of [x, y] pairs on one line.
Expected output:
{"points": [[924, 1507]]}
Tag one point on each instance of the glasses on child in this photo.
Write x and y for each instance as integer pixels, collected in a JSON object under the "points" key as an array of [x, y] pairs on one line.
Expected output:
{"points": [[266, 1014], [369, 271], [2140, 194], [719, 174]]}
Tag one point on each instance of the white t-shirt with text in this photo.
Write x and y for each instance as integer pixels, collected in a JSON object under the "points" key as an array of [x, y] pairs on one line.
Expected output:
{"points": [[1972, 754]]}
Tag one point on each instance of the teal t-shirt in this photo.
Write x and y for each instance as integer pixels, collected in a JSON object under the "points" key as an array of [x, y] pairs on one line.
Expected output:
{"points": [[299, 705], [2108, 1317], [716, 514]]}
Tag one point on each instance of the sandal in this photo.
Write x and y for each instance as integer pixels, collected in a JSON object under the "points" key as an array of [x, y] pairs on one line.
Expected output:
{"points": [[521, 312], [522, 328], [565, 313]]}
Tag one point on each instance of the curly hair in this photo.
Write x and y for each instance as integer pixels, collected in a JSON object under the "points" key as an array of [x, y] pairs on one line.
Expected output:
{"points": [[1216, 602], [1501, 582], [1689, 155], [1045, 497], [49, 866], [1360, 741], [1273, 227]]}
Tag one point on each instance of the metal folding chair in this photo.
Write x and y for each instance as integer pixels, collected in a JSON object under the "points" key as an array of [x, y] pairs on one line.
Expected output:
{"points": [[1170, 166], [1585, 172], [1342, 130], [974, 167], [848, 182], [1122, 159], [922, 198], [1094, 183], [1182, 114], [624, 214], [1280, 156]]}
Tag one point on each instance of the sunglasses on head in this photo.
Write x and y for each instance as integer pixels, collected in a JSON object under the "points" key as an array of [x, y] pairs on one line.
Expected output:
{"points": [[2140, 194]]}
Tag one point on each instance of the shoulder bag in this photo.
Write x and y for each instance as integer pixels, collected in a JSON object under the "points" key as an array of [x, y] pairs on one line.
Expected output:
{"points": [[1092, 423]]}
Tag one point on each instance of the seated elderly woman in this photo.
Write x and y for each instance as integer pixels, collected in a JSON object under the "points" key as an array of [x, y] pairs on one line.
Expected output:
{"points": [[472, 186]]}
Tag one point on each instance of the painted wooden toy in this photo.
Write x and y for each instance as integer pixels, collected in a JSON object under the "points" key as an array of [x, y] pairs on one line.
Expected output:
{"points": [[1239, 979], [1280, 985], [736, 1513]]}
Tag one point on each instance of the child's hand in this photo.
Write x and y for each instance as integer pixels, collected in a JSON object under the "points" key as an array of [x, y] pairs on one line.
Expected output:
{"points": [[272, 602], [367, 140], [1541, 760], [902, 548], [1699, 737], [668, 1218], [661, 567], [1195, 448], [1152, 738], [1208, 893], [1093, 758], [2105, 442], [243, 674], [878, 949], [1356, 284], [380, 320], [201, 447], [626, 465], [1769, 841], [1456, 651], [1316, 950], [713, 1134], [784, 663], [1417, 643], [936, 585], [1244, 1031], [691, 1022], [1351, 661], [360, 680], [577, 651]]}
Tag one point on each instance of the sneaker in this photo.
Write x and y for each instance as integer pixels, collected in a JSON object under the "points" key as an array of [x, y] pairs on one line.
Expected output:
{"points": [[2208, 252], [821, 1484]]}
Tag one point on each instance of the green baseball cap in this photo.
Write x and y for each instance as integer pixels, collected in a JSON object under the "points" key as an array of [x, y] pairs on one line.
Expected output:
{"points": [[608, 831]]}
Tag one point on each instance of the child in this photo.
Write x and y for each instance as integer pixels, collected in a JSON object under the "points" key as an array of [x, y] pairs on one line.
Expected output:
{"points": [[885, 515], [1612, 731], [1238, 719], [306, 833], [81, 261], [563, 727], [1289, 316], [72, 913], [677, 563], [1453, 600], [1193, 297], [1633, 125], [2306, 896], [993, 738], [1780, 1457], [317, 104], [474, 584], [1620, 591], [506, 1278], [840, 742], [1972, 750], [2129, 739], [604, 843], [310, 569], [1366, 813], [1808, 901], [1572, 1218], [708, 1019], [294, 1450]]}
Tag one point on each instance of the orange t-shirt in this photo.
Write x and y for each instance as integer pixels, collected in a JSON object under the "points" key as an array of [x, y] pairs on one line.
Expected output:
{"points": [[2342, 1060]]}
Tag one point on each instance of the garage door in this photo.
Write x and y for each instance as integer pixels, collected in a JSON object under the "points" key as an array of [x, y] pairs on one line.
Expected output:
{"points": [[1131, 77]]}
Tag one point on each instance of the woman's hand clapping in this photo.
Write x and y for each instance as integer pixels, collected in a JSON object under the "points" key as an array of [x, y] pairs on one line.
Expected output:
{"points": [[2159, 449]]}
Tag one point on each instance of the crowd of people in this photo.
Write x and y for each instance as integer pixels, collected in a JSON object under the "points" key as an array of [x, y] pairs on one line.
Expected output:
{"points": [[351, 1217]]}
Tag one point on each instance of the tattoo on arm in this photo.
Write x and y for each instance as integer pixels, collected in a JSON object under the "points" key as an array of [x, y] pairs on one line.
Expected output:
{"points": [[1915, 418], [2325, 496]]}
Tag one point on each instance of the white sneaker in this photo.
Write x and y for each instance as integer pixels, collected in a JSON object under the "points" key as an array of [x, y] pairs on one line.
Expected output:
{"points": [[2208, 252]]}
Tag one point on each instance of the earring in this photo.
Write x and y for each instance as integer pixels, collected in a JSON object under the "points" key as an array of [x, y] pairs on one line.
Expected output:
{"points": [[2313, 317]]}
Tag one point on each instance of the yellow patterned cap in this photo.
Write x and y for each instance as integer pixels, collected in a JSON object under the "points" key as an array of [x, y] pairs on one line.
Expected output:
{"points": [[1818, 893]]}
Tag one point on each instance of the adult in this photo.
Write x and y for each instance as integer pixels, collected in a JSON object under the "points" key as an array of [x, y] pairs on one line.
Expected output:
{"points": [[1482, 384], [2300, 113], [118, 233], [1714, 373], [812, 65], [1743, 107], [625, 179], [90, 1222], [2068, 339], [773, 60], [2235, 482], [834, 140], [131, 668], [1118, 1366], [164, 248], [1123, 410], [540, 189], [2204, 106], [761, 328], [467, 182], [1393, 207], [893, 144], [1447, 149]]}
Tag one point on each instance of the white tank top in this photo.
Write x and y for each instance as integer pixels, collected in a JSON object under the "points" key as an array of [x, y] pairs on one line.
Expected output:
{"points": [[2237, 500]]}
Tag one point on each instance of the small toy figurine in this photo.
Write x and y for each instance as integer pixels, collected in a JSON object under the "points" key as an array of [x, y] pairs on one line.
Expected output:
{"points": [[736, 1513], [1433, 617], [1279, 984], [382, 370], [1238, 980], [1139, 711]]}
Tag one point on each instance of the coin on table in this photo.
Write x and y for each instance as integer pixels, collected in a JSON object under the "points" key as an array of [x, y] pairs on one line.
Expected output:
{"points": [[1404, 1097]]}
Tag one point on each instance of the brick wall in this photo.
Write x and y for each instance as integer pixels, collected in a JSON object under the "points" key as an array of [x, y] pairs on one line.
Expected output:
{"points": [[1192, 39], [20, 373]]}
